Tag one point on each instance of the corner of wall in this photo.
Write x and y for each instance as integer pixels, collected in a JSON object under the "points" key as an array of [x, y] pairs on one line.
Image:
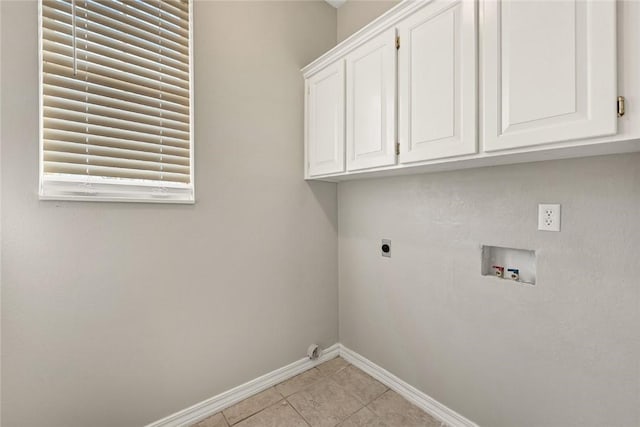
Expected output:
{"points": [[355, 14]]}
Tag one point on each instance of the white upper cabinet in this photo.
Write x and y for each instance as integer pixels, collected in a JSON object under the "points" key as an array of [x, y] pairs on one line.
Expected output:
{"points": [[325, 121], [549, 71], [475, 83], [437, 74], [371, 102]]}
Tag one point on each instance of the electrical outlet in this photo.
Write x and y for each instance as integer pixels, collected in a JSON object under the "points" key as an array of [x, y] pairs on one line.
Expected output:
{"points": [[549, 217]]}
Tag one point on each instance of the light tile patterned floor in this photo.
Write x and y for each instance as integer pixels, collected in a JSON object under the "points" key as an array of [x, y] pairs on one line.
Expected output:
{"points": [[334, 393]]}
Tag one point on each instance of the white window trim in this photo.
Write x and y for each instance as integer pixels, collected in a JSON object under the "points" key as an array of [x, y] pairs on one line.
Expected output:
{"points": [[103, 189]]}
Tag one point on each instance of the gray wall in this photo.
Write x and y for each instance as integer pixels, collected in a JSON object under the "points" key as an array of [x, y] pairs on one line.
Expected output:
{"points": [[120, 314], [565, 352], [355, 14], [0, 215]]}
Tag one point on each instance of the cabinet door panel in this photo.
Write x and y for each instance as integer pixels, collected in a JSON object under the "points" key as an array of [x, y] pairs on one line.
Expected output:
{"points": [[549, 71], [371, 97], [437, 80], [325, 110]]}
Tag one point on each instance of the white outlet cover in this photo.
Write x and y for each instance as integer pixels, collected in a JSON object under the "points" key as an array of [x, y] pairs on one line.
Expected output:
{"points": [[549, 217]]}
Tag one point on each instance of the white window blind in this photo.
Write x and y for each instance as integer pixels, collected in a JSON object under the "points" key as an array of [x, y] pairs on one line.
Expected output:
{"points": [[116, 100]]}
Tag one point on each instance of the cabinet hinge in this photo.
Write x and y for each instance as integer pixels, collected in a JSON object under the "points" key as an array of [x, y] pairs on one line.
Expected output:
{"points": [[621, 106], [397, 148], [397, 42]]}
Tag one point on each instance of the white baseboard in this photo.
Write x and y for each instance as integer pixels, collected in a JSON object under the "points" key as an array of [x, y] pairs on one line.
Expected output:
{"points": [[412, 394], [213, 405]]}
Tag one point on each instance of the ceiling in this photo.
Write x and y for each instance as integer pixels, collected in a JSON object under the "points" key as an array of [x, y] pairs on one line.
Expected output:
{"points": [[336, 3]]}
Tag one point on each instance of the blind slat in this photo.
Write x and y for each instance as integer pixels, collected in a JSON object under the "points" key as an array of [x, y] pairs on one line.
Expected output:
{"points": [[70, 87], [126, 73], [116, 99], [114, 162], [156, 118], [105, 131], [168, 13], [94, 20], [102, 14], [112, 37], [116, 11], [72, 147], [82, 117], [64, 38], [177, 8], [81, 138], [151, 20], [114, 172], [108, 83]]}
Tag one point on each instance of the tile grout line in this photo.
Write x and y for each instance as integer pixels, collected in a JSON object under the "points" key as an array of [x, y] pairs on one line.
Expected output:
{"points": [[296, 411], [255, 413], [330, 378], [364, 405], [260, 411], [327, 377], [371, 409], [323, 377], [286, 399], [225, 418], [303, 387]]}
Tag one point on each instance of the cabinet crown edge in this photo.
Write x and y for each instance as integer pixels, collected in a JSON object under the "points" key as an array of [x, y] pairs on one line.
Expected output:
{"points": [[375, 27]]}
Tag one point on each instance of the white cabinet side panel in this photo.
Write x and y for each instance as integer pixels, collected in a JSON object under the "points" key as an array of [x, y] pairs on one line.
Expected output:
{"points": [[325, 109]]}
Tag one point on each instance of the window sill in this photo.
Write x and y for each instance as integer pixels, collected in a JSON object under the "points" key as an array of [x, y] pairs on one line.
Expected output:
{"points": [[105, 191], [79, 198]]}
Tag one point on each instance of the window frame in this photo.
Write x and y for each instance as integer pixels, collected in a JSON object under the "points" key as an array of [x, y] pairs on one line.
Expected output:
{"points": [[108, 189]]}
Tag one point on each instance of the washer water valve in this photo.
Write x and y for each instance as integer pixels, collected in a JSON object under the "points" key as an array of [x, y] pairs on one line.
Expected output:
{"points": [[514, 274], [498, 270], [516, 265]]}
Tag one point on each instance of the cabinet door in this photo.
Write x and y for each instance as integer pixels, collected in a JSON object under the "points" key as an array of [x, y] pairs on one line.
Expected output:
{"points": [[371, 99], [437, 74], [549, 71], [325, 121]]}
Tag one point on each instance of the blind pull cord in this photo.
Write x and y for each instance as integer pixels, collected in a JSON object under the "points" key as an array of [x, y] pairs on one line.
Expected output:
{"points": [[73, 37]]}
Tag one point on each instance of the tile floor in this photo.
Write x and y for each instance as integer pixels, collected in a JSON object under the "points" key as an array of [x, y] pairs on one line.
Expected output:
{"points": [[334, 393]]}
